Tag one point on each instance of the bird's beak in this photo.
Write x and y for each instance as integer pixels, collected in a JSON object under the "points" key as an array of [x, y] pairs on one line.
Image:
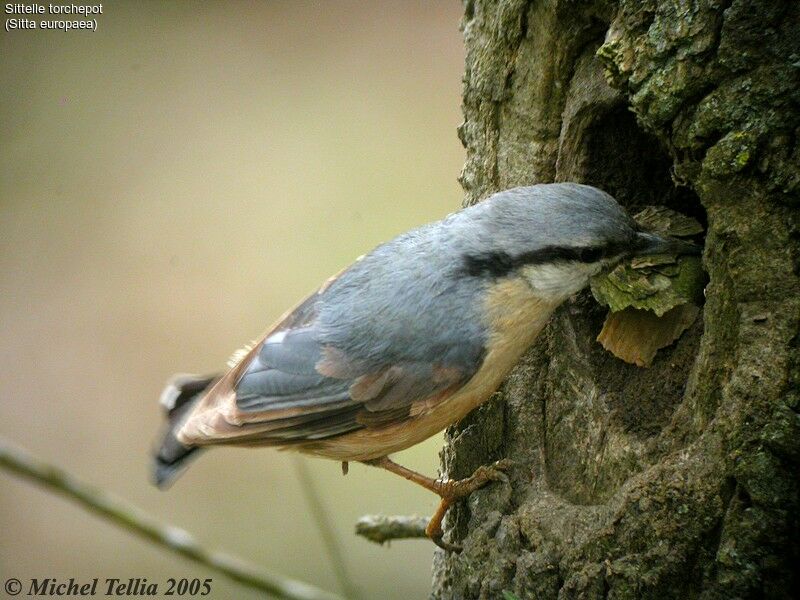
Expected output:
{"points": [[650, 243]]}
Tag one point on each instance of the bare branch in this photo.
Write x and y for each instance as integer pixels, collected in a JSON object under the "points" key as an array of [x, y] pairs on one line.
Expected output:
{"points": [[137, 521], [380, 528]]}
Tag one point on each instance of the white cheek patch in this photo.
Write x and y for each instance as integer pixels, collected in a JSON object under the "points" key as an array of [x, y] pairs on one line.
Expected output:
{"points": [[558, 281]]}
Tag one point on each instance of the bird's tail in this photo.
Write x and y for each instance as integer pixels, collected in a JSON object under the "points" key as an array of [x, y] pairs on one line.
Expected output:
{"points": [[178, 398]]}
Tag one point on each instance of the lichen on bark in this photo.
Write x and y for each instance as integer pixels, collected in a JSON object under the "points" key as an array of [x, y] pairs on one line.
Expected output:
{"points": [[677, 481]]}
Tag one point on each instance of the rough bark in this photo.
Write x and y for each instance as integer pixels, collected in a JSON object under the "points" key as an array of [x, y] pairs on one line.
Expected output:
{"points": [[680, 480]]}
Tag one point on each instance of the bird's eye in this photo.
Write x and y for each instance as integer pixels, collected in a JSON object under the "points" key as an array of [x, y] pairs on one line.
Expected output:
{"points": [[590, 254]]}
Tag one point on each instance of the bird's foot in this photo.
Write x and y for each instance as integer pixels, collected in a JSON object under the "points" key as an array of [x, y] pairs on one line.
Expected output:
{"points": [[457, 489], [451, 491]]}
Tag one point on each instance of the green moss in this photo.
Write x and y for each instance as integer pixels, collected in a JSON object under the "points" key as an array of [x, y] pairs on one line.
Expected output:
{"points": [[731, 154], [657, 283], [656, 288], [764, 477]]}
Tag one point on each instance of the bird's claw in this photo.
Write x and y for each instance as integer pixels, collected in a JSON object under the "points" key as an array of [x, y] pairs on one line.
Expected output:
{"points": [[497, 471], [446, 546]]}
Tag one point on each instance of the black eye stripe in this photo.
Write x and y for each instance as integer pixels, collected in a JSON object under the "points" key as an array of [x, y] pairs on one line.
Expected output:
{"points": [[499, 264], [590, 254]]}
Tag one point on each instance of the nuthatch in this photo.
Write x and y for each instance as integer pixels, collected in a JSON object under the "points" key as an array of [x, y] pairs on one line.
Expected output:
{"points": [[410, 338]]}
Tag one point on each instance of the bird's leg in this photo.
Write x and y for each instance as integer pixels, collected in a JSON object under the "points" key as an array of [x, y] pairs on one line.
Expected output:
{"points": [[449, 490]]}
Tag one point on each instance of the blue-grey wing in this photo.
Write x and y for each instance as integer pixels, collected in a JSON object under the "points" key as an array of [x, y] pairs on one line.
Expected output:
{"points": [[295, 386]]}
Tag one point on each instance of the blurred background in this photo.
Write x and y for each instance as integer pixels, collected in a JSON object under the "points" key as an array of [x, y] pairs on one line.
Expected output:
{"points": [[169, 185]]}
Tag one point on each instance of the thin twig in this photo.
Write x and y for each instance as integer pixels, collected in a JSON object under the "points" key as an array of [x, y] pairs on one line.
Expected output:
{"points": [[326, 531], [380, 528], [133, 519]]}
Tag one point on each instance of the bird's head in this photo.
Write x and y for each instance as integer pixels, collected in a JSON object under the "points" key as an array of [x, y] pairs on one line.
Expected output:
{"points": [[557, 236]]}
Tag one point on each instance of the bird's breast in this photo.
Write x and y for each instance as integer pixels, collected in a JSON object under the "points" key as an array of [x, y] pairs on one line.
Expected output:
{"points": [[514, 316]]}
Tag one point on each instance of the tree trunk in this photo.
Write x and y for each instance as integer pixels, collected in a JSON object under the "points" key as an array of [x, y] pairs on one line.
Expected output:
{"points": [[678, 480]]}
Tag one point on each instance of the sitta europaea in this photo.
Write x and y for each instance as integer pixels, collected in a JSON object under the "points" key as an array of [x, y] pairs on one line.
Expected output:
{"points": [[410, 338]]}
